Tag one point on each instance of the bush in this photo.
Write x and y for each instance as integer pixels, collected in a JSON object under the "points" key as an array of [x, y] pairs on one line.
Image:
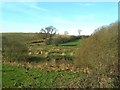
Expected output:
{"points": [[60, 57], [35, 59], [99, 52], [48, 41], [99, 48]]}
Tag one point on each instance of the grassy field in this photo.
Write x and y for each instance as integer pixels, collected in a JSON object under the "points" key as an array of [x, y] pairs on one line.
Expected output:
{"points": [[80, 63], [48, 75], [74, 43], [18, 76]]}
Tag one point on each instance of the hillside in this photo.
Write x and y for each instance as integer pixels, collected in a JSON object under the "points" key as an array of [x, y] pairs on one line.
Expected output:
{"points": [[70, 61], [35, 49]]}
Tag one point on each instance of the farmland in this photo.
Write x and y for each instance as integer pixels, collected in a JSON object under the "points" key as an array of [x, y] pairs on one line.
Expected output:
{"points": [[49, 65], [67, 62], [19, 77]]}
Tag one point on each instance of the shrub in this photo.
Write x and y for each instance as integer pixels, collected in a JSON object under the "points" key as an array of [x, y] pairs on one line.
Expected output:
{"points": [[99, 51], [99, 48], [35, 59], [60, 57], [48, 41]]}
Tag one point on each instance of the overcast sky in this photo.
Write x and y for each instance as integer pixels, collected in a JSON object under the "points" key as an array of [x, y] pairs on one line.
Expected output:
{"points": [[65, 16]]}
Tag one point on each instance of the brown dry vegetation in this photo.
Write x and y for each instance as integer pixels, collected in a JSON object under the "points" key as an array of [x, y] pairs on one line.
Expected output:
{"points": [[100, 54]]}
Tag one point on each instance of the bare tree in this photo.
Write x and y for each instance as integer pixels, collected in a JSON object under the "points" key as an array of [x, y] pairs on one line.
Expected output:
{"points": [[79, 32], [66, 33], [49, 31]]}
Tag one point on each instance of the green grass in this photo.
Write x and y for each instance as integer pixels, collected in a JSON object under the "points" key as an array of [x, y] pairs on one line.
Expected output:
{"points": [[73, 43], [21, 37], [14, 76]]}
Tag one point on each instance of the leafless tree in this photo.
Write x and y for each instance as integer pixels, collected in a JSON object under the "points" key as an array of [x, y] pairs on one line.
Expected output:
{"points": [[79, 32], [66, 33], [49, 31]]}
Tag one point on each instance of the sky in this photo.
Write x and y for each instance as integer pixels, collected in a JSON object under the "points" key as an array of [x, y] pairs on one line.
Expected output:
{"points": [[65, 16]]}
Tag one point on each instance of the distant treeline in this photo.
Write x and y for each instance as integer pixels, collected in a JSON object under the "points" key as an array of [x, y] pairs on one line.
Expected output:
{"points": [[63, 39], [60, 39]]}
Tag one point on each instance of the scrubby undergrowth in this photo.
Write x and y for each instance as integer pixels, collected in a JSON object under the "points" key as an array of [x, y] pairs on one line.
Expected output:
{"points": [[100, 53]]}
